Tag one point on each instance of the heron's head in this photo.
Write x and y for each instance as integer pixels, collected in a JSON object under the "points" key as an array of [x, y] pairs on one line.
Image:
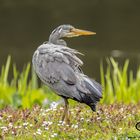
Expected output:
{"points": [[69, 31]]}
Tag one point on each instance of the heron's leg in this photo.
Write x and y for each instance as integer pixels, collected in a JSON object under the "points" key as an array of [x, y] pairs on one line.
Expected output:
{"points": [[66, 111]]}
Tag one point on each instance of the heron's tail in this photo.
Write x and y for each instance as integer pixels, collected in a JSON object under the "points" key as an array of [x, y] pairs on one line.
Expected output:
{"points": [[94, 95]]}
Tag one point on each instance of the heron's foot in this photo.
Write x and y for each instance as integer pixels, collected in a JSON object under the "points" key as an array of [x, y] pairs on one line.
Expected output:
{"points": [[66, 121], [65, 118]]}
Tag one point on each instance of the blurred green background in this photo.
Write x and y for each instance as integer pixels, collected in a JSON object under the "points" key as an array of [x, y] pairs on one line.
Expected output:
{"points": [[24, 25]]}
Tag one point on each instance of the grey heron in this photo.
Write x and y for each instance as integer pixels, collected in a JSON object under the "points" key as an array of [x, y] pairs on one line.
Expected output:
{"points": [[60, 69]]}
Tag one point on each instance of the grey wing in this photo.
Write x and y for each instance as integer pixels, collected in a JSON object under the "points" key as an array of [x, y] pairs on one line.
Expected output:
{"points": [[56, 70], [66, 82]]}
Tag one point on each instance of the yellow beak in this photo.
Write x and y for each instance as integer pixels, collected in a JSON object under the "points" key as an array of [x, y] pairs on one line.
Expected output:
{"points": [[77, 32]]}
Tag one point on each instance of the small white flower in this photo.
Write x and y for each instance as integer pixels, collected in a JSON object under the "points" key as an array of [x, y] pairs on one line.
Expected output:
{"points": [[34, 133], [46, 123], [98, 118], [4, 128], [13, 132], [52, 136], [43, 114], [47, 110], [82, 119], [46, 128], [26, 127], [121, 110], [10, 125], [74, 126], [55, 134], [39, 132], [87, 120], [31, 125], [19, 126], [63, 123], [72, 112], [60, 121], [49, 123], [82, 130], [54, 109], [25, 124], [53, 105], [61, 108], [10, 116]]}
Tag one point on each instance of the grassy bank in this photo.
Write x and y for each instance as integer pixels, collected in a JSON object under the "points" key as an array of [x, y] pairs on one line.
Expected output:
{"points": [[33, 111], [115, 121]]}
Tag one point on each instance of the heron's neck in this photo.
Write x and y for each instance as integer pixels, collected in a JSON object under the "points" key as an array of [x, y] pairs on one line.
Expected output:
{"points": [[57, 41]]}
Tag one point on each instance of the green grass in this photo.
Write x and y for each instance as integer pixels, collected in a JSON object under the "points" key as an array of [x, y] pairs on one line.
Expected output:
{"points": [[25, 112], [22, 91], [110, 122], [119, 84]]}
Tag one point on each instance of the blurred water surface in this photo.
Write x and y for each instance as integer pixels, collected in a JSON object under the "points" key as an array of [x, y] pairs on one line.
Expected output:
{"points": [[24, 25]]}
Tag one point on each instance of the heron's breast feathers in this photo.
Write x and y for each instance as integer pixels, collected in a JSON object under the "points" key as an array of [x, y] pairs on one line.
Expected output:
{"points": [[52, 62]]}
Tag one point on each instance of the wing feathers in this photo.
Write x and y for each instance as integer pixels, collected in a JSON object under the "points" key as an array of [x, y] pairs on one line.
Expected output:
{"points": [[58, 67]]}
